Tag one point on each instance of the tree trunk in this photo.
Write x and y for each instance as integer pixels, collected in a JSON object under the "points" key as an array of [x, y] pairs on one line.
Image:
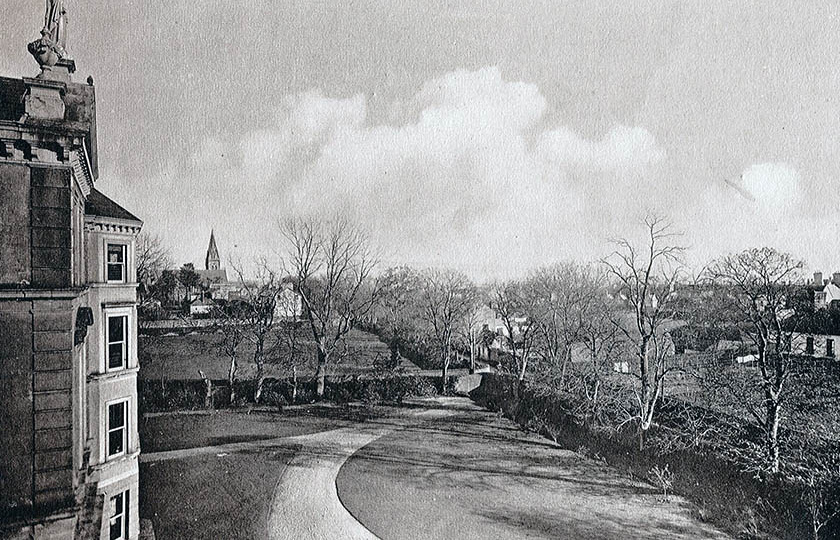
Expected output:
{"points": [[294, 384], [321, 374], [444, 376], [259, 389], [445, 370], [772, 427], [644, 394], [232, 379], [567, 352], [472, 355], [208, 390]]}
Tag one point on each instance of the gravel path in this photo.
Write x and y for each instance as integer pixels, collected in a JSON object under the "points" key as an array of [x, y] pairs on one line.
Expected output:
{"points": [[305, 503]]}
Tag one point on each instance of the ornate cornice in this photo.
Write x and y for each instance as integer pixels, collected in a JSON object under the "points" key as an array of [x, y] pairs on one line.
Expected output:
{"points": [[40, 142], [111, 225], [81, 170]]}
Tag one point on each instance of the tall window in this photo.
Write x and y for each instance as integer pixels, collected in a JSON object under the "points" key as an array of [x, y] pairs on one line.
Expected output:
{"points": [[809, 345], [116, 263], [829, 347], [117, 334], [119, 516], [117, 428]]}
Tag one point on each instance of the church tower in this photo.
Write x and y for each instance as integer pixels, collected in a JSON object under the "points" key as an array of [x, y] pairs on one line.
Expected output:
{"points": [[212, 261]]}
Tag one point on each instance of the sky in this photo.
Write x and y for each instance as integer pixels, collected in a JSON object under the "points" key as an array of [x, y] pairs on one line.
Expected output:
{"points": [[488, 136]]}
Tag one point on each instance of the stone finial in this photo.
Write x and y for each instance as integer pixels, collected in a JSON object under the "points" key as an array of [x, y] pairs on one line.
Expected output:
{"points": [[50, 49]]}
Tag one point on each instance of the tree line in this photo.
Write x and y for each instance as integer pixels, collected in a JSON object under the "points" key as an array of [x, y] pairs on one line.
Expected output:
{"points": [[608, 333]]}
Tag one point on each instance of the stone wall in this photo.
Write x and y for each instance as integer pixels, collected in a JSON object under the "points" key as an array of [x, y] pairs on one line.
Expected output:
{"points": [[50, 211], [14, 225], [36, 366]]}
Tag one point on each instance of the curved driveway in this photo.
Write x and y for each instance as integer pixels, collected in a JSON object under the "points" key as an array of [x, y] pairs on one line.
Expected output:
{"points": [[305, 504]]}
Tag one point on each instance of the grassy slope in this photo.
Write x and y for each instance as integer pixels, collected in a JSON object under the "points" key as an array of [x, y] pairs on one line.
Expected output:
{"points": [[214, 496], [211, 496], [177, 431], [180, 357]]}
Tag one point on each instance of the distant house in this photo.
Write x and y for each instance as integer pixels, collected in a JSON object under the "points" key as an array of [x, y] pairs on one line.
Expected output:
{"points": [[826, 291], [289, 305], [201, 307], [815, 345]]}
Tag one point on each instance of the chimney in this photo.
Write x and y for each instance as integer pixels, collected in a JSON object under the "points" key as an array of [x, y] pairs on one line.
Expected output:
{"points": [[818, 279], [835, 278]]}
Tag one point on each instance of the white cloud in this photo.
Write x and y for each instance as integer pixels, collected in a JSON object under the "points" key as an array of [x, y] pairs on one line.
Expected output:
{"points": [[623, 149], [773, 185], [469, 177]]}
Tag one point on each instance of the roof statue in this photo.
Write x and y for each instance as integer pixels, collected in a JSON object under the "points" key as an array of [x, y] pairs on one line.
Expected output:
{"points": [[51, 46]]}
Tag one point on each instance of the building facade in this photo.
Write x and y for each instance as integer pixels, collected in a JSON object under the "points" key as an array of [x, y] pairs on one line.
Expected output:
{"points": [[68, 317]]}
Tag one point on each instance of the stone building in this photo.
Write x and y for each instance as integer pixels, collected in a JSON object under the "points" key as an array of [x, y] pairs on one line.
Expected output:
{"points": [[69, 444]]}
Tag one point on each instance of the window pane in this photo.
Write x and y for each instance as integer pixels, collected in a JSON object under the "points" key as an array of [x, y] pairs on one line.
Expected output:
{"points": [[116, 415], [115, 253], [115, 272], [115, 442], [116, 529], [116, 505], [116, 326], [126, 520], [115, 356]]}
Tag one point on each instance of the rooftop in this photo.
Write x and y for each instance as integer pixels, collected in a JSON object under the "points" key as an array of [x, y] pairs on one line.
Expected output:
{"points": [[98, 204]]}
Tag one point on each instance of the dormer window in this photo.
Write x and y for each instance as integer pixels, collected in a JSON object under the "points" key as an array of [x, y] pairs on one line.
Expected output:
{"points": [[115, 266]]}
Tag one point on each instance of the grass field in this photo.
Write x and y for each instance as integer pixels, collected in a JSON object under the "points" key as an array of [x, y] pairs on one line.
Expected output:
{"points": [[222, 495], [181, 356]]}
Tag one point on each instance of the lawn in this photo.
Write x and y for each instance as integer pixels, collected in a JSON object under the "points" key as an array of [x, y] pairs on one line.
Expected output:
{"points": [[211, 496], [175, 431], [181, 356], [222, 494]]}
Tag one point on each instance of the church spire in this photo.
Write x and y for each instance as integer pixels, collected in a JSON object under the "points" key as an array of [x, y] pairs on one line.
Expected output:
{"points": [[212, 261]]}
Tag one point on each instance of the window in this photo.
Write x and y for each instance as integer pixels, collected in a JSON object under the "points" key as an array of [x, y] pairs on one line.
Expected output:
{"points": [[115, 263], [829, 347], [809, 345], [119, 516], [117, 428], [117, 338]]}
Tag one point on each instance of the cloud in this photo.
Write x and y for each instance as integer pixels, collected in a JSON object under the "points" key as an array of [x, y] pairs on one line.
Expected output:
{"points": [[623, 149], [465, 173], [773, 185]]}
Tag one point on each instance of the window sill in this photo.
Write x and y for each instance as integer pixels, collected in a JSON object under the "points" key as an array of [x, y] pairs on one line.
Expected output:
{"points": [[116, 374], [122, 458]]}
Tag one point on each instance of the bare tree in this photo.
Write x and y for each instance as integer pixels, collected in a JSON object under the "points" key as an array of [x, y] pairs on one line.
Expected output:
{"points": [[514, 305], [152, 258], [445, 299], [758, 284], [258, 310], [471, 331], [599, 337], [645, 278], [396, 306], [292, 352], [565, 296], [230, 325], [331, 263]]}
